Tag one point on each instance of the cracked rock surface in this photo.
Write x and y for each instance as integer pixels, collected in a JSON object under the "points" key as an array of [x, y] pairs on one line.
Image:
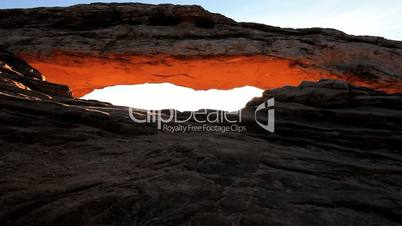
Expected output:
{"points": [[334, 159]]}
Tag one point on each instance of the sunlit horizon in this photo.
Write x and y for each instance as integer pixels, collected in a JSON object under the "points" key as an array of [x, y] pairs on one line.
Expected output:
{"points": [[157, 96], [359, 17]]}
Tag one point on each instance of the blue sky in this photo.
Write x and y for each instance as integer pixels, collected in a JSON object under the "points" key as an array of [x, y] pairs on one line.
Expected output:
{"points": [[359, 17]]}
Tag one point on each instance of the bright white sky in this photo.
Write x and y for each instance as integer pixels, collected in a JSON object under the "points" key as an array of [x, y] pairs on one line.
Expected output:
{"points": [[166, 96], [358, 17]]}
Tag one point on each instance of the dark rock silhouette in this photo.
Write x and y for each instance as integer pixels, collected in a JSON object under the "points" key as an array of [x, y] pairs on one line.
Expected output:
{"points": [[334, 159]]}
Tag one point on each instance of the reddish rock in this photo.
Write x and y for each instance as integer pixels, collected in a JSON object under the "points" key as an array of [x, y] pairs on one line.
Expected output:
{"points": [[334, 159], [132, 43]]}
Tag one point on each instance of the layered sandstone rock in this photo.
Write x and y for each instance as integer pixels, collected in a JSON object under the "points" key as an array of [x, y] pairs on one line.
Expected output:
{"points": [[98, 45], [335, 159]]}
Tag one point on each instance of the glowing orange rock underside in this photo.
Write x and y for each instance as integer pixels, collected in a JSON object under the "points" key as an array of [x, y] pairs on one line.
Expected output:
{"points": [[83, 74]]}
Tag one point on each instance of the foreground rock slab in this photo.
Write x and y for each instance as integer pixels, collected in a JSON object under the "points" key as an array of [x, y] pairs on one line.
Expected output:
{"points": [[334, 159]]}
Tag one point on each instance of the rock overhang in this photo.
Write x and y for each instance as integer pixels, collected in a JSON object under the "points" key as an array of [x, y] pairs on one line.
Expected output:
{"points": [[189, 46]]}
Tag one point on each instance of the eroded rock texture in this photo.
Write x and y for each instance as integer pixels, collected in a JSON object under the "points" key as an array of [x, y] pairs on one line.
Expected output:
{"points": [[335, 159], [97, 45]]}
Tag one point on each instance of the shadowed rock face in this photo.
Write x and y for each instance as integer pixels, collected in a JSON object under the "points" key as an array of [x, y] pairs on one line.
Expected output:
{"points": [[334, 159], [98, 45]]}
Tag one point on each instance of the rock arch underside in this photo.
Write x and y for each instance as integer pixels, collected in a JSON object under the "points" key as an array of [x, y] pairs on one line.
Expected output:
{"points": [[334, 159], [90, 47]]}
